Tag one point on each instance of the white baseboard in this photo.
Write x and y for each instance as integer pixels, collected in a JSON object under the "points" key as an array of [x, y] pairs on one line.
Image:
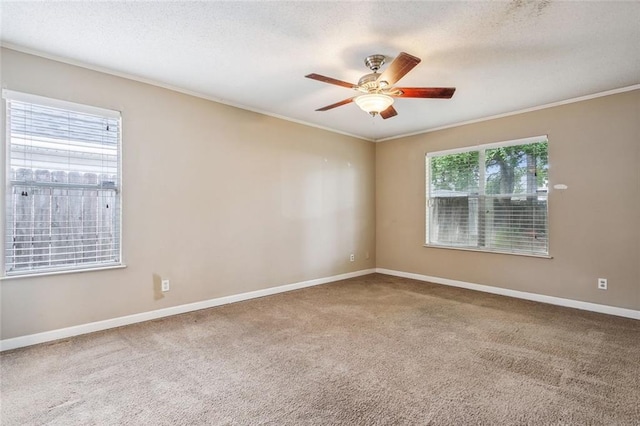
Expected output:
{"points": [[569, 303], [63, 333]]}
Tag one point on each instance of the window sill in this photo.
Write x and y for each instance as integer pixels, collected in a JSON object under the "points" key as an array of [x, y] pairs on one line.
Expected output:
{"points": [[61, 272], [540, 256]]}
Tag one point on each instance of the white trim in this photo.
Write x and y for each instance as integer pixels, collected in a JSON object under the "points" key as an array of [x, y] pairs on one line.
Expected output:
{"points": [[120, 193], [539, 256], [490, 145], [158, 83], [133, 77], [520, 111], [12, 95], [4, 182], [552, 300], [63, 333], [48, 336], [22, 274]]}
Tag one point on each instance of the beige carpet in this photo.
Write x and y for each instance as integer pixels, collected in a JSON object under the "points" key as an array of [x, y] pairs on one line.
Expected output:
{"points": [[370, 350]]}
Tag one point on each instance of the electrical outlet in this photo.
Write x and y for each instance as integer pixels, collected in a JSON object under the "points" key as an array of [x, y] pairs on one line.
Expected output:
{"points": [[352, 257], [602, 283], [165, 285]]}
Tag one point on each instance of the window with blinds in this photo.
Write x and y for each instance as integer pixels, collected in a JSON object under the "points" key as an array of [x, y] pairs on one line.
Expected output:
{"points": [[490, 198], [62, 186]]}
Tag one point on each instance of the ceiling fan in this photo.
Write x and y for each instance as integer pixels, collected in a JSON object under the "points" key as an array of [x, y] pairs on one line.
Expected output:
{"points": [[378, 92]]}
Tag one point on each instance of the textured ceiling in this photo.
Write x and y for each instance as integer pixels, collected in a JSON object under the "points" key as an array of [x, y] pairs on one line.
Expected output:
{"points": [[501, 56]]}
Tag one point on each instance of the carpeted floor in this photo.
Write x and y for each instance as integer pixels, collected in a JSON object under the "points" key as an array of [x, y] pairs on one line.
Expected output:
{"points": [[369, 350]]}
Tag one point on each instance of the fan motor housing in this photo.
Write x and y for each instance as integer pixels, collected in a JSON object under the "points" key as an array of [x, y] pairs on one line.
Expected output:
{"points": [[368, 82]]}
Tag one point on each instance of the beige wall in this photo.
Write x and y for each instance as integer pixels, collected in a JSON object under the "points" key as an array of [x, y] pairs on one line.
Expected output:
{"points": [[594, 225], [218, 199], [224, 201]]}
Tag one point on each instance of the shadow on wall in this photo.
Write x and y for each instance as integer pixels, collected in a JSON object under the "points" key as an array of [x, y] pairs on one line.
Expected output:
{"points": [[157, 287]]}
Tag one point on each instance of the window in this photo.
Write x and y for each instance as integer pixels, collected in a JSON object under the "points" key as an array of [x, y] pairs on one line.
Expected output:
{"points": [[490, 198], [62, 186]]}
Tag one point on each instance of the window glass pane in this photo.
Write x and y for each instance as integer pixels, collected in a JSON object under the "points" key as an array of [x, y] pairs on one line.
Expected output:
{"points": [[519, 169], [453, 221], [516, 225], [455, 174], [492, 199], [453, 202], [63, 191], [516, 204]]}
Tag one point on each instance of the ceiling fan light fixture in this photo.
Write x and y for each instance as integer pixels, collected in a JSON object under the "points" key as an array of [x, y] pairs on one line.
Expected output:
{"points": [[374, 103], [379, 90]]}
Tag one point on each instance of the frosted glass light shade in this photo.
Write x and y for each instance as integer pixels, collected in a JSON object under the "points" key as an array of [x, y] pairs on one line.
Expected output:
{"points": [[374, 103]]}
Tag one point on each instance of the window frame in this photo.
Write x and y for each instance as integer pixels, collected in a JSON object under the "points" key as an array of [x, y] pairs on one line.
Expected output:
{"points": [[481, 149], [6, 186]]}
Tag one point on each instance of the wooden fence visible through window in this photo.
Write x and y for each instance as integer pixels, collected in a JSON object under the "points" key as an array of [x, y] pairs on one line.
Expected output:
{"points": [[61, 219]]}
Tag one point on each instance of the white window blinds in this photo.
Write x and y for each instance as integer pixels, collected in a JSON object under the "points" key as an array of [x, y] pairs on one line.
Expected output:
{"points": [[490, 198], [63, 176]]}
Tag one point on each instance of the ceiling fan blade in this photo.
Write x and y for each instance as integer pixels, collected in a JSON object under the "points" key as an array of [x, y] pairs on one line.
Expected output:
{"points": [[425, 92], [337, 104], [398, 68], [330, 80], [389, 112]]}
